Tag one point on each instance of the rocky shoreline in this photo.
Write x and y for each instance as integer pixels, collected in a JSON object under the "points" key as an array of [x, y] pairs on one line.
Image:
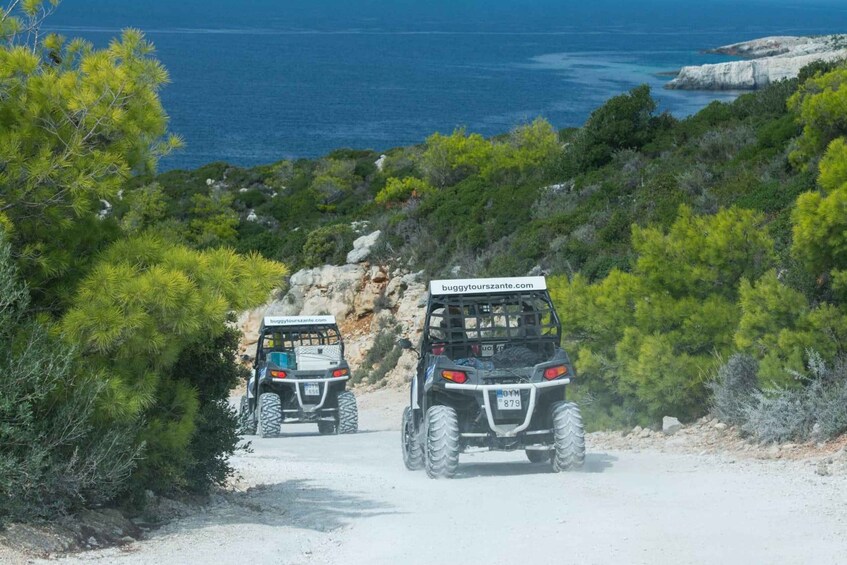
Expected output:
{"points": [[766, 60]]}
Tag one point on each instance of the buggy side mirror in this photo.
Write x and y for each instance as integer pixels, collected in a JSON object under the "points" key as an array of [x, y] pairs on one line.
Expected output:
{"points": [[406, 343]]}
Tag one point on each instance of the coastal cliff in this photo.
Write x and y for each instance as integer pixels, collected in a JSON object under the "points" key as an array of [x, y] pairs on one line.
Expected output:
{"points": [[767, 60]]}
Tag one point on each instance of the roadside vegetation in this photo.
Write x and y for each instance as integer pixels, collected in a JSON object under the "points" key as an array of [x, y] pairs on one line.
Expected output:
{"points": [[115, 350]]}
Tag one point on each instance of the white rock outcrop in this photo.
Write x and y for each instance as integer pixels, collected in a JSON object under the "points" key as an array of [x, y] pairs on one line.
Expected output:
{"points": [[769, 59], [362, 247]]}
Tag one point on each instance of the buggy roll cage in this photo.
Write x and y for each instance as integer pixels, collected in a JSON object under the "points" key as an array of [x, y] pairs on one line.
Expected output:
{"points": [[463, 324], [284, 333]]}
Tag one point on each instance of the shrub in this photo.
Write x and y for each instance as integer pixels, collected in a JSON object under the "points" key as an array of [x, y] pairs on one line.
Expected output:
{"points": [[623, 122], [328, 245], [382, 357], [216, 435], [779, 415], [734, 387], [54, 457], [400, 190], [816, 411], [146, 305]]}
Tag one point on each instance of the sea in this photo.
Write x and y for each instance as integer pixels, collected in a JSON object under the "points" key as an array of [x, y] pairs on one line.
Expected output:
{"points": [[256, 81]]}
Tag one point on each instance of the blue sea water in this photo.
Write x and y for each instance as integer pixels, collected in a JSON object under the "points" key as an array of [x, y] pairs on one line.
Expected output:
{"points": [[255, 81]]}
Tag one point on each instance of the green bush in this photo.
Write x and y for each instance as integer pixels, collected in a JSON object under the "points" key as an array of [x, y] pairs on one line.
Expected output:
{"points": [[328, 245], [381, 358], [55, 455], [144, 306]]}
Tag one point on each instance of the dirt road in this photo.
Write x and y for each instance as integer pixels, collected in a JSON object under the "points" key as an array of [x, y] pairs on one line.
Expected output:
{"points": [[349, 500]]}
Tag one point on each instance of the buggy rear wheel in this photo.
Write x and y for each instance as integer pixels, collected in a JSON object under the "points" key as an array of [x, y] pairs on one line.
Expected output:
{"points": [[568, 437], [270, 414], [246, 421], [348, 413], [413, 456], [442, 442]]}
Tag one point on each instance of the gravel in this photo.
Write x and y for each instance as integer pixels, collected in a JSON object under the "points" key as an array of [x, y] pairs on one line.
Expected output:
{"points": [[305, 498]]}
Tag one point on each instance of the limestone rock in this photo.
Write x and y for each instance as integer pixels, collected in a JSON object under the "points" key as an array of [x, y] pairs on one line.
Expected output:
{"points": [[769, 59], [380, 163], [362, 247], [670, 425]]}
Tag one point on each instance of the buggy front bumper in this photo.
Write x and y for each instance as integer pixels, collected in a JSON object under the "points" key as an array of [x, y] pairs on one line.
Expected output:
{"points": [[509, 430]]}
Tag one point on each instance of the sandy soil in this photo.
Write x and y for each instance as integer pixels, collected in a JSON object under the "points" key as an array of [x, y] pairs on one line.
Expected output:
{"points": [[305, 498]]}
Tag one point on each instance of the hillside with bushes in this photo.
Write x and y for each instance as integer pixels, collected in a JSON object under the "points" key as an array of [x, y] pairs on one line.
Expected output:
{"points": [[670, 244]]}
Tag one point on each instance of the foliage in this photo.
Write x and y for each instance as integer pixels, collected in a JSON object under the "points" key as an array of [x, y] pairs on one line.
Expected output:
{"points": [[382, 357], [623, 122], [54, 457], [400, 190], [673, 244], [820, 221], [820, 103], [448, 159], [733, 389], [211, 368], [816, 411], [143, 305], [75, 122], [213, 222], [328, 245], [650, 335]]}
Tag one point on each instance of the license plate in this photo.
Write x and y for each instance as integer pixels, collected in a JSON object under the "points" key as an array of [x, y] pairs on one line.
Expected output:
{"points": [[508, 399], [312, 389]]}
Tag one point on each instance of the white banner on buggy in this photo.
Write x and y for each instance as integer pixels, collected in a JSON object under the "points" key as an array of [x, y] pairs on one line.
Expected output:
{"points": [[487, 286], [299, 320]]}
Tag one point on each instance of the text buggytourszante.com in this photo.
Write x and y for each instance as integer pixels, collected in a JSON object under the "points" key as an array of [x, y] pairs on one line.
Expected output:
{"points": [[469, 286]]}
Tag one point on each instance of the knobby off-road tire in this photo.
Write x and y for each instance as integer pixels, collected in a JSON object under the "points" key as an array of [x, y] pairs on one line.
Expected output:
{"points": [[327, 428], [246, 421], [537, 456], [568, 437], [441, 431], [270, 414], [348, 413], [413, 455]]}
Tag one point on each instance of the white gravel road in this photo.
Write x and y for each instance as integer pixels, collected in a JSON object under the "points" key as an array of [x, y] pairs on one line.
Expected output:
{"points": [[348, 500]]}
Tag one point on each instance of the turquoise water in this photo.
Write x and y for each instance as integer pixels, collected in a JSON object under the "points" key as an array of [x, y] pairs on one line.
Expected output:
{"points": [[255, 81]]}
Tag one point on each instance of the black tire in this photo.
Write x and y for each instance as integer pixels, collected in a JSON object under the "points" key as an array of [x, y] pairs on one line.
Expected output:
{"points": [[270, 414], [537, 456], [348, 413], [327, 428], [246, 421], [413, 456], [441, 430], [568, 437]]}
